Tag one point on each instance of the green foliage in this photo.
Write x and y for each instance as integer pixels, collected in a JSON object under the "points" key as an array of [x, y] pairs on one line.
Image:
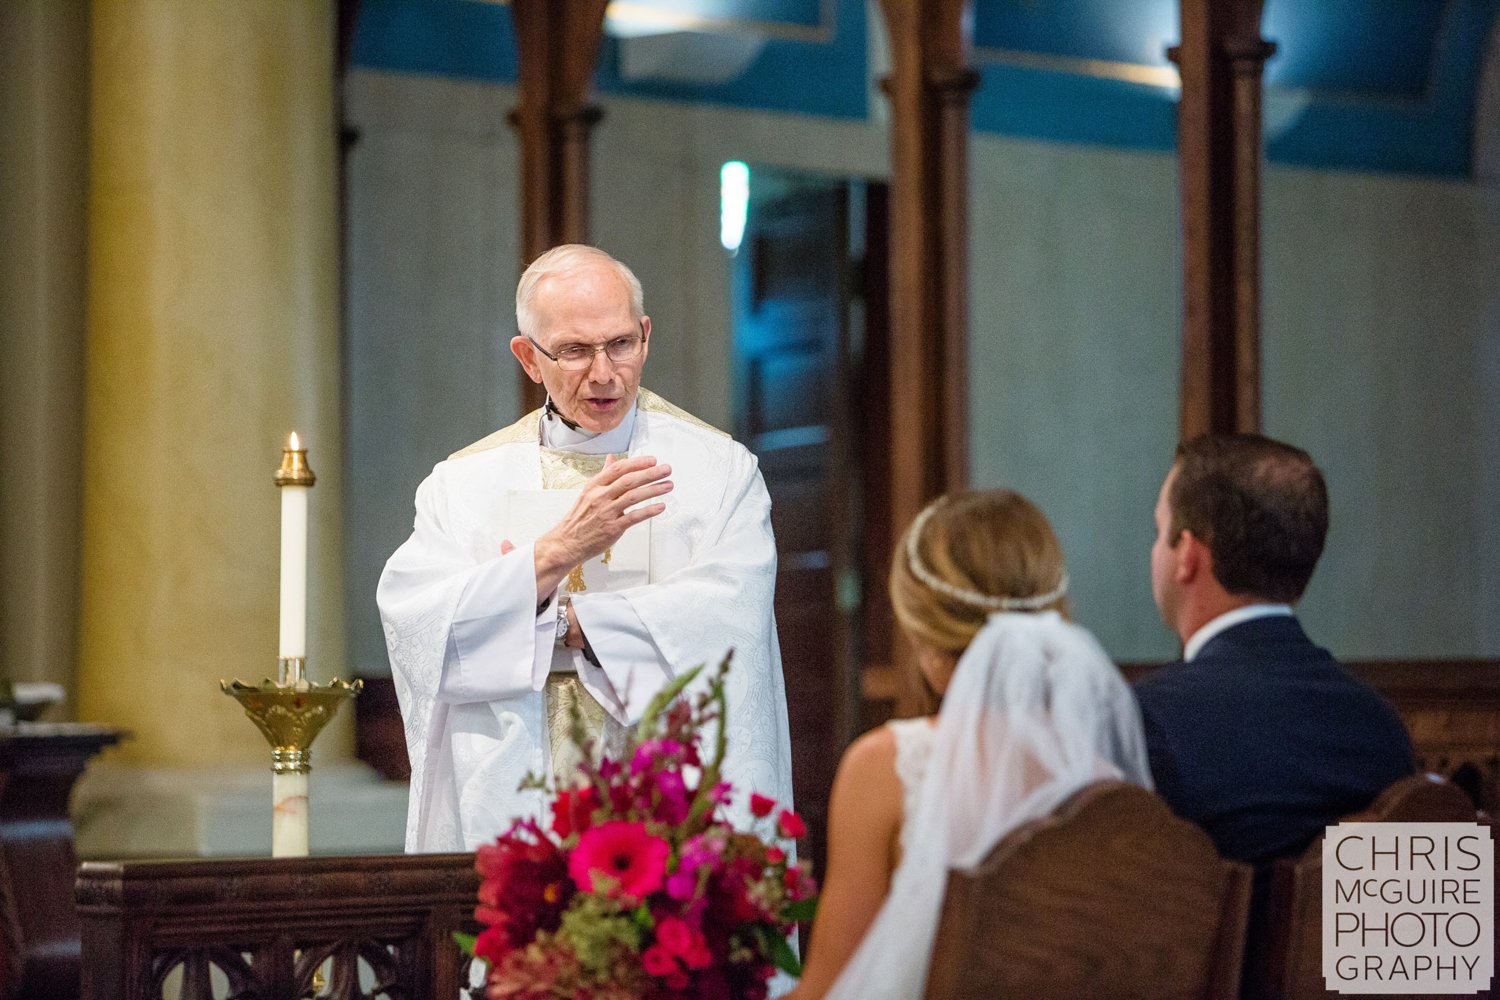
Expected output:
{"points": [[596, 928], [801, 910]]}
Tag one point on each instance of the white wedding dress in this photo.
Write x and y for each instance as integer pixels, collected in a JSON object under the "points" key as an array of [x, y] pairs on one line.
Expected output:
{"points": [[1035, 711]]}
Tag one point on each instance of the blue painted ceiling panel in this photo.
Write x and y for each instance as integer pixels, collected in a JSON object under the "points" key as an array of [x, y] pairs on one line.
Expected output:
{"points": [[1358, 46], [1129, 31], [436, 37], [1429, 135], [1061, 107], [1383, 85], [799, 13], [820, 77]]}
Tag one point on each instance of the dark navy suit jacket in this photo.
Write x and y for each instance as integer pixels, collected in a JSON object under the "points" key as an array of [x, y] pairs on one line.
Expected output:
{"points": [[1264, 739]]}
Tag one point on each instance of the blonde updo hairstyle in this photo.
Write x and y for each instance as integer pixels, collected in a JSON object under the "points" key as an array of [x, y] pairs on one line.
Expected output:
{"points": [[981, 552]]}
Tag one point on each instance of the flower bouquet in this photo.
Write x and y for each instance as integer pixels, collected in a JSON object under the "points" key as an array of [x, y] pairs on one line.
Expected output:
{"points": [[639, 889]]}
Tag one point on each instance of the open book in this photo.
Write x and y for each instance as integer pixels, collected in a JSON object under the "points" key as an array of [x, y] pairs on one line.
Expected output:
{"points": [[627, 563]]}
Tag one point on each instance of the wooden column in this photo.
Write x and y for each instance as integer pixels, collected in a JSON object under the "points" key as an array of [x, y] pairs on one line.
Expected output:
{"points": [[1219, 152], [558, 45], [928, 404], [929, 90]]}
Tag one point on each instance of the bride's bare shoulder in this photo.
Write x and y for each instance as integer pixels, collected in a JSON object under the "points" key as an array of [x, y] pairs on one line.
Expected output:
{"points": [[868, 768], [873, 751]]}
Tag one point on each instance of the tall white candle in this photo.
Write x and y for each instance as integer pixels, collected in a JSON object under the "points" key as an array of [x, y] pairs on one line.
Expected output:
{"points": [[294, 562], [289, 814]]}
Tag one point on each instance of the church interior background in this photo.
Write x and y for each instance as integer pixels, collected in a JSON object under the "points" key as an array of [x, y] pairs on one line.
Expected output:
{"points": [[214, 229]]}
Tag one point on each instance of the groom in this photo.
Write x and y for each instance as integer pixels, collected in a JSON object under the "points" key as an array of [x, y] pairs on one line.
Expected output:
{"points": [[1256, 734]]}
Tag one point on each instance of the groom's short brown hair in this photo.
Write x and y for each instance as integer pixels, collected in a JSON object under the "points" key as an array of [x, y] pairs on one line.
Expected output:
{"points": [[1260, 506]]}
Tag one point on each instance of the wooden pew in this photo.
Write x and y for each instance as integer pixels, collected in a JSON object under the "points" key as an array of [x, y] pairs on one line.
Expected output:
{"points": [[1111, 897], [1290, 965], [271, 926]]}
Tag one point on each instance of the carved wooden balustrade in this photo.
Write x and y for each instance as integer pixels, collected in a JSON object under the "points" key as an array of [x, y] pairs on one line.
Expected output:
{"points": [[348, 928]]}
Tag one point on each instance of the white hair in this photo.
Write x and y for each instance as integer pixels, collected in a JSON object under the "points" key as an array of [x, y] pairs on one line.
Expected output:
{"points": [[564, 260]]}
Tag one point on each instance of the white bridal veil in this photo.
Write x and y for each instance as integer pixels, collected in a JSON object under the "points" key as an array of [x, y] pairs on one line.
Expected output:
{"points": [[1035, 711]]}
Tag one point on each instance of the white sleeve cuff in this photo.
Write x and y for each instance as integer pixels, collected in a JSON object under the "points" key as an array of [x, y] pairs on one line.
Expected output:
{"points": [[498, 642], [631, 669]]}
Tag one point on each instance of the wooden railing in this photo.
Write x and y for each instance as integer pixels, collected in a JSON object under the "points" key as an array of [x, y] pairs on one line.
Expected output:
{"points": [[347, 928]]}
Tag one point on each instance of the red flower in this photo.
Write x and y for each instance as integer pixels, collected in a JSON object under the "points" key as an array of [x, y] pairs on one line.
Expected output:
{"points": [[492, 944], [799, 884], [525, 888], [698, 956], [658, 961], [620, 859], [775, 855], [674, 934], [791, 825], [573, 810], [761, 805]]}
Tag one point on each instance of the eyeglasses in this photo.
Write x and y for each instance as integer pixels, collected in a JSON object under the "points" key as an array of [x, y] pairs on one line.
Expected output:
{"points": [[580, 357]]}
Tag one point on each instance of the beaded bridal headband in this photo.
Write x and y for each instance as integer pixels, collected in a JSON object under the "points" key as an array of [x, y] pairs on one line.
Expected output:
{"points": [[972, 597]]}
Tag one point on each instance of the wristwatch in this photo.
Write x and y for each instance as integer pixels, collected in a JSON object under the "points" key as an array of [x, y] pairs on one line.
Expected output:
{"points": [[562, 624]]}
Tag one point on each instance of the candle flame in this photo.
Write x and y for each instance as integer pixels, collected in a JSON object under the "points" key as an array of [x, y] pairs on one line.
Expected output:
{"points": [[293, 443]]}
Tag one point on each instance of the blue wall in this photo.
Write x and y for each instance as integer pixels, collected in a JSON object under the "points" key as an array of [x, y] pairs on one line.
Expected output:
{"points": [[1355, 84]]}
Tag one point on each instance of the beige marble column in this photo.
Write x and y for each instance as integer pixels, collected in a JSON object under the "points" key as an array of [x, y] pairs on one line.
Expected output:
{"points": [[212, 333], [44, 48]]}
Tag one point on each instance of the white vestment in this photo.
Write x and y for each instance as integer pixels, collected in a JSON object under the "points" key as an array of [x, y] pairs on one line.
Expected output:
{"points": [[471, 654]]}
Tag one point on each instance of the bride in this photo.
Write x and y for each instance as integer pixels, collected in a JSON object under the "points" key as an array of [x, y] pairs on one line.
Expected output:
{"points": [[1031, 710]]}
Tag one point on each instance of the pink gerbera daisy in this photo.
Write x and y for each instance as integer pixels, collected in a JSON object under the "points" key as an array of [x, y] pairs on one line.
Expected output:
{"points": [[620, 859]]}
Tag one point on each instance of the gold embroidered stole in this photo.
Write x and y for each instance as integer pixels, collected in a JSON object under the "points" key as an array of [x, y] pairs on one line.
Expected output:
{"points": [[567, 698]]}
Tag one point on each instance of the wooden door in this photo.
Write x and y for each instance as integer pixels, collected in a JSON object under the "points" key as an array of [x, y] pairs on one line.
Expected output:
{"points": [[798, 332]]}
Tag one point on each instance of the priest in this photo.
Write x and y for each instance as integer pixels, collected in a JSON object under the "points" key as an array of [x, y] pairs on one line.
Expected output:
{"points": [[515, 607]]}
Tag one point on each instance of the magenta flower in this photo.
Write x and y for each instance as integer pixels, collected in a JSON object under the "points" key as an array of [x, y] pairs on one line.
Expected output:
{"points": [[652, 752], [619, 859], [672, 797], [682, 885]]}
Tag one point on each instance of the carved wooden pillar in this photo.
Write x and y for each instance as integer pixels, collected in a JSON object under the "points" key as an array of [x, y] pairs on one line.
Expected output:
{"points": [[557, 44], [928, 89], [1219, 152]]}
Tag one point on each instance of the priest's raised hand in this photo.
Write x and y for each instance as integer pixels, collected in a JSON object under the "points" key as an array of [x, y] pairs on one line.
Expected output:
{"points": [[608, 505]]}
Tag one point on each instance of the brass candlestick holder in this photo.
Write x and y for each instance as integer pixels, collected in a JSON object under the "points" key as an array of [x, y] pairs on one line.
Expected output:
{"points": [[290, 714], [291, 711]]}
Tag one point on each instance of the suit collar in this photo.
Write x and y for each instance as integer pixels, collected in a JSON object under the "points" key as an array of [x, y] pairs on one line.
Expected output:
{"points": [[1228, 620], [1256, 631]]}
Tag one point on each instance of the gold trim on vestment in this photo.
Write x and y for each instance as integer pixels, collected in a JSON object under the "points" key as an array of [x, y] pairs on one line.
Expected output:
{"points": [[567, 697], [569, 470], [528, 430], [650, 402]]}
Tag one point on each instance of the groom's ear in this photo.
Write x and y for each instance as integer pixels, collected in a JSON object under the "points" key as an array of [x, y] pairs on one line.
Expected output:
{"points": [[1193, 558]]}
